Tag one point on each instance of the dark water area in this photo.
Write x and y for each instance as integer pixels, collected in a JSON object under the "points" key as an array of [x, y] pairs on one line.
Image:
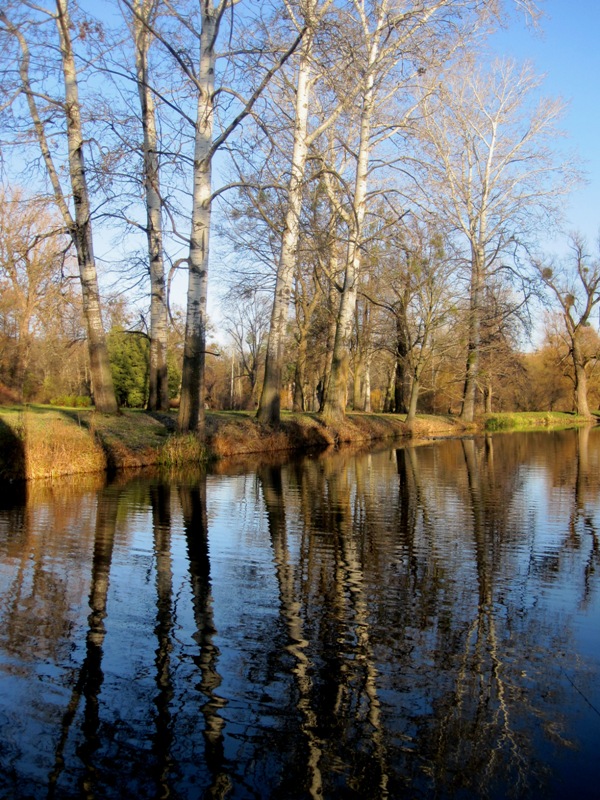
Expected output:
{"points": [[416, 622]]}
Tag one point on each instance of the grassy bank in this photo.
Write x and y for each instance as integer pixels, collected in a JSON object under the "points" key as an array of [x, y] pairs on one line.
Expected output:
{"points": [[40, 441]]}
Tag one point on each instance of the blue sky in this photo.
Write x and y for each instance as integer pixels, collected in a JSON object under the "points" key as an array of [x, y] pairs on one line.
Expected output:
{"points": [[567, 52]]}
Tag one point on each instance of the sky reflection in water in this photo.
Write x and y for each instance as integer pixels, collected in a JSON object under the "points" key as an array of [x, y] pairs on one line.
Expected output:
{"points": [[412, 622]]}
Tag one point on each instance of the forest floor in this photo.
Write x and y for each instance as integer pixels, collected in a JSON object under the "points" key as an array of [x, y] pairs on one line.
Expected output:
{"points": [[44, 441]]}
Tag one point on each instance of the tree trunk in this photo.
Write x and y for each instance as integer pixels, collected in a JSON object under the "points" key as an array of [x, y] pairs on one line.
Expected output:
{"points": [[299, 403], [81, 226], [367, 399], [487, 397], [414, 400], [358, 382], [158, 394], [333, 300], [474, 338], [269, 409], [581, 401], [388, 405], [334, 405], [400, 406], [191, 409], [22, 351]]}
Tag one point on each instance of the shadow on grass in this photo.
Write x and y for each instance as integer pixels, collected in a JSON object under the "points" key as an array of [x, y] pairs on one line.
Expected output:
{"points": [[12, 455], [85, 420], [307, 436], [128, 439]]}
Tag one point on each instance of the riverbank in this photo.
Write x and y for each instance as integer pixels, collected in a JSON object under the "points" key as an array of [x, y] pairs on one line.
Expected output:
{"points": [[43, 441]]}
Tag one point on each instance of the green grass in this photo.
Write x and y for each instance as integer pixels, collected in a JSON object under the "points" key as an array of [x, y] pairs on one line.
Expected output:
{"points": [[522, 421]]}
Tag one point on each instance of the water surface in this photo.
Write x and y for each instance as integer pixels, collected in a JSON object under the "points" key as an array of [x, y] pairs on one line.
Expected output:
{"points": [[412, 622]]}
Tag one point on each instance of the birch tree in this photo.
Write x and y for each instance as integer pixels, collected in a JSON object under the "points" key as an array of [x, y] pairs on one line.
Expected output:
{"points": [[138, 142], [191, 409], [74, 206], [396, 43], [491, 172]]}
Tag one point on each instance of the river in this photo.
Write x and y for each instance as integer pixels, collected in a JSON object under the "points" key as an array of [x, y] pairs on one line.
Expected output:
{"points": [[414, 621]]}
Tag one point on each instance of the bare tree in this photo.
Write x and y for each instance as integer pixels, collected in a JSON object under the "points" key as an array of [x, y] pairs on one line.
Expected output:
{"points": [[504, 321], [307, 15], [415, 284], [394, 44], [491, 174], [247, 323], [78, 223], [31, 278], [575, 286], [211, 130]]}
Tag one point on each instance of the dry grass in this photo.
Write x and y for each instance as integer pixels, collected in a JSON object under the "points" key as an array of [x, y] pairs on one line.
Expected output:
{"points": [[180, 450], [238, 433], [231, 433], [363, 427], [43, 443]]}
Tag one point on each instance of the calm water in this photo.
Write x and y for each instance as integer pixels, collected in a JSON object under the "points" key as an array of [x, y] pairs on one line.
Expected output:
{"points": [[417, 622]]}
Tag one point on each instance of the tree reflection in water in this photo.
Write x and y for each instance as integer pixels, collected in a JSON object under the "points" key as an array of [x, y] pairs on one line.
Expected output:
{"points": [[160, 501], [416, 622], [89, 681], [291, 612], [478, 741], [193, 504], [583, 526]]}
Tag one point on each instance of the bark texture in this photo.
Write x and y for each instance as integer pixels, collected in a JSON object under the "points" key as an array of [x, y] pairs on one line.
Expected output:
{"points": [[467, 413], [269, 409], [191, 409], [158, 388], [334, 405]]}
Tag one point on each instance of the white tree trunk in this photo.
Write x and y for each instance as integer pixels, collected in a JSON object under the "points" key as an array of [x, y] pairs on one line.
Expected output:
{"points": [[336, 389], [467, 413], [158, 394], [81, 225], [367, 403], [581, 391], [269, 406], [191, 410]]}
